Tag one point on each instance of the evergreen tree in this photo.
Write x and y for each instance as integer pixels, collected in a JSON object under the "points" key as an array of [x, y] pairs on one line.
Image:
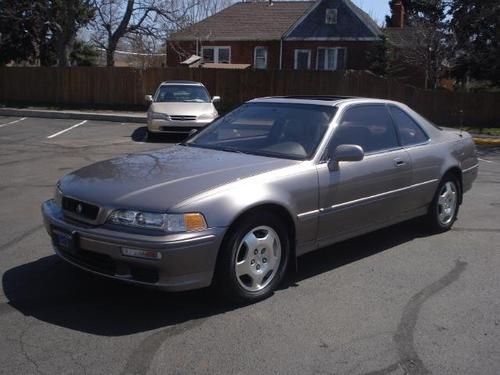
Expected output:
{"points": [[41, 32], [475, 25]]}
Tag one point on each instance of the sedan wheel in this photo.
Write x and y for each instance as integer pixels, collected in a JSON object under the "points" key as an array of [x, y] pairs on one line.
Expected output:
{"points": [[253, 258], [444, 208], [447, 203], [258, 258]]}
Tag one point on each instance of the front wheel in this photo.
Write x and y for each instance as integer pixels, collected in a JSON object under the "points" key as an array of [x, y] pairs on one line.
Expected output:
{"points": [[254, 258], [444, 208]]}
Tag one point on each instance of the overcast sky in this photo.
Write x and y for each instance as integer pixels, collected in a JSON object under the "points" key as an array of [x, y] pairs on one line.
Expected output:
{"points": [[378, 9]]}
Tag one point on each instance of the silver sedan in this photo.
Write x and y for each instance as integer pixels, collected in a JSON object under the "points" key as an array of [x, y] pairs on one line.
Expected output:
{"points": [[272, 180]]}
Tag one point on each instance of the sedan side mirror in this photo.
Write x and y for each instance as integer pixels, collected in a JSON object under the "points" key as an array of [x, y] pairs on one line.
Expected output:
{"points": [[216, 99], [148, 98], [345, 153]]}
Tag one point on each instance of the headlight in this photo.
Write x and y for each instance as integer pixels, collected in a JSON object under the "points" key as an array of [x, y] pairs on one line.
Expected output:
{"points": [[208, 116], [190, 222], [58, 195], [158, 116]]}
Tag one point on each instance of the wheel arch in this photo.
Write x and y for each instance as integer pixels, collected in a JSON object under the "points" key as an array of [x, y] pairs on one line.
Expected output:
{"points": [[456, 172], [277, 209]]}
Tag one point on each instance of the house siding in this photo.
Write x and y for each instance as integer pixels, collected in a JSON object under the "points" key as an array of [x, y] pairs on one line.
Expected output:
{"points": [[355, 52], [243, 52]]}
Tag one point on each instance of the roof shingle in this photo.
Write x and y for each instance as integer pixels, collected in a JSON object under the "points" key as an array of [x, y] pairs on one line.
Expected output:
{"points": [[247, 21]]}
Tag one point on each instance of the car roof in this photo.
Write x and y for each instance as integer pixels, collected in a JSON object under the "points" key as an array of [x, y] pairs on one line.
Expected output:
{"points": [[188, 83], [328, 100]]}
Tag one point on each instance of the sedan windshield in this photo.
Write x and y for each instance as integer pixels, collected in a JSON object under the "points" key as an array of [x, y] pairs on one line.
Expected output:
{"points": [[291, 131], [182, 94]]}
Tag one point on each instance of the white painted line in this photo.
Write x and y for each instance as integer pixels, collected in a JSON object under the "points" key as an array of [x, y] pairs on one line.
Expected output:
{"points": [[13, 122], [66, 130], [486, 161]]}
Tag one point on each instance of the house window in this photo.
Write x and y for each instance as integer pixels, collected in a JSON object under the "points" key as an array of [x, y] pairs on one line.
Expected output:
{"points": [[218, 55], [302, 59], [330, 59], [260, 58], [331, 16]]}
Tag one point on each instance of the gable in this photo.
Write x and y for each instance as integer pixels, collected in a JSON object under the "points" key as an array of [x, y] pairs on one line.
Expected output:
{"points": [[352, 23]]}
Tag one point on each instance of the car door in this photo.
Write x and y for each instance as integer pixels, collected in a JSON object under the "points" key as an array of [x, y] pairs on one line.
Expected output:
{"points": [[360, 196], [426, 163]]}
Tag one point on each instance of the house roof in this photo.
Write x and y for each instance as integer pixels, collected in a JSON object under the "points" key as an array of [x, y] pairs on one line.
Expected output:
{"points": [[352, 23], [247, 21], [402, 37]]}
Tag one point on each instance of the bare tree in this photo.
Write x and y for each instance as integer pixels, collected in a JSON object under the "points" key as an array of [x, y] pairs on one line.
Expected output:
{"points": [[116, 19], [426, 47]]}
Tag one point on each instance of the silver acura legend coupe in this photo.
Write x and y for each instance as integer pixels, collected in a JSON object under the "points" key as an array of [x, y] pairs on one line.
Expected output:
{"points": [[274, 179]]}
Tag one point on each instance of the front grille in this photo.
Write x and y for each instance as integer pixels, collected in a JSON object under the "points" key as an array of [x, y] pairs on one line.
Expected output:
{"points": [[76, 207], [88, 259], [183, 118]]}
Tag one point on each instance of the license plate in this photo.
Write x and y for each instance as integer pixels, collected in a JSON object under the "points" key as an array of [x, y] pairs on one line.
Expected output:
{"points": [[65, 240]]}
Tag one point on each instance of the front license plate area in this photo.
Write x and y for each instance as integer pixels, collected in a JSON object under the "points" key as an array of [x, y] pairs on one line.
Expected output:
{"points": [[64, 240]]}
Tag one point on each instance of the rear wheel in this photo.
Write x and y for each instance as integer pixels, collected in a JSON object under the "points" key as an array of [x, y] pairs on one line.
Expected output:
{"points": [[254, 258], [444, 208]]}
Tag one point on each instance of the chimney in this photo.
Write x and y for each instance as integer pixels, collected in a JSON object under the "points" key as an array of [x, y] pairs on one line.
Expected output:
{"points": [[398, 15]]}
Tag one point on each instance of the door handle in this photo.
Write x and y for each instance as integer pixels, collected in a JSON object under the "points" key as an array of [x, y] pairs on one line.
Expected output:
{"points": [[399, 162]]}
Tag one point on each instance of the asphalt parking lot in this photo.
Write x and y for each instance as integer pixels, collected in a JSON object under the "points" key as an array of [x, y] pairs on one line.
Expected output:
{"points": [[397, 301]]}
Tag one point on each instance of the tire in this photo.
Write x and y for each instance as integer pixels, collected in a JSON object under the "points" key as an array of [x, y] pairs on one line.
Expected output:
{"points": [[253, 259], [444, 207], [151, 136]]}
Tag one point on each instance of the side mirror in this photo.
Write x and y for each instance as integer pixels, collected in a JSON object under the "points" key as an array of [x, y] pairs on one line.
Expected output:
{"points": [[216, 99], [148, 98], [345, 153]]}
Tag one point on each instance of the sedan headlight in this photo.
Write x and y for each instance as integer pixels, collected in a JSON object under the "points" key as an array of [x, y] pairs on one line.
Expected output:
{"points": [[190, 222], [208, 116], [159, 116]]}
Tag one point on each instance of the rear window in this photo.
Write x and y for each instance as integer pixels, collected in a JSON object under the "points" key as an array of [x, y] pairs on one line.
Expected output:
{"points": [[409, 131]]}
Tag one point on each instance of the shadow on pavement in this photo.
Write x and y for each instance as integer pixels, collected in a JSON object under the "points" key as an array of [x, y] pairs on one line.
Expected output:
{"points": [[57, 293], [141, 135]]}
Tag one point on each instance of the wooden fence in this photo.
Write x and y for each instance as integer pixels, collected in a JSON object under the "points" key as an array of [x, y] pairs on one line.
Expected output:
{"points": [[126, 87]]}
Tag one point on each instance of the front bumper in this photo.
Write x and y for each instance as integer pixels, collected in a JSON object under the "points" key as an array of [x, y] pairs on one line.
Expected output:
{"points": [[188, 259], [169, 126]]}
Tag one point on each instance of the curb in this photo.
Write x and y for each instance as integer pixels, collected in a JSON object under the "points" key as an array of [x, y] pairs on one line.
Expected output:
{"points": [[487, 141], [74, 115]]}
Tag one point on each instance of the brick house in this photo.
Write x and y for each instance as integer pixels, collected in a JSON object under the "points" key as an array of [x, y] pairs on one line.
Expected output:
{"points": [[302, 35]]}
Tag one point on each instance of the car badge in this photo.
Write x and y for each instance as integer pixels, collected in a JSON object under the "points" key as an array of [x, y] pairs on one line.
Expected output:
{"points": [[79, 208]]}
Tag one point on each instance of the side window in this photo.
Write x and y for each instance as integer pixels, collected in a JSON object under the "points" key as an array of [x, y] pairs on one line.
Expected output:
{"points": [[409, 131], [369, 126]]}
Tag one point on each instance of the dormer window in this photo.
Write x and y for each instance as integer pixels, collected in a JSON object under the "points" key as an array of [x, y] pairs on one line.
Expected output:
{"points": [[331, 16]]}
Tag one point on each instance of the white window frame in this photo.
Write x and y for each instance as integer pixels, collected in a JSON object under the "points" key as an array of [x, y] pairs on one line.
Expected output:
{"points": [[295, 58], [326, 57], [331, 16], [255, 56], [216, 52]]}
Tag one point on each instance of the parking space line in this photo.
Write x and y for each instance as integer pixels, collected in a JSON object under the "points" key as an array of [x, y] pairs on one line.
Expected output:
{"points": [[13, 122], [65, 130]]}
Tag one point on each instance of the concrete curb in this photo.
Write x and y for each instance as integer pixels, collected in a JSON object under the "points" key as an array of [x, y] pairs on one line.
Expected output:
{"points": [[74, 115], [487, 141]]}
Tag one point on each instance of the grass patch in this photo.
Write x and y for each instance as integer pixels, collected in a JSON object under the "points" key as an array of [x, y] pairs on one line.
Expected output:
{"points": [[487, 131]]}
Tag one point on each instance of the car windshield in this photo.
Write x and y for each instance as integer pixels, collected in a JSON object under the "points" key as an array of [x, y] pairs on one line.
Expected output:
{"points": [[291, 131], [182, 94]]}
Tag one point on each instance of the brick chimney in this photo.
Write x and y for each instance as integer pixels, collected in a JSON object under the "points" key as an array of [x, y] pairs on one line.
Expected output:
{"points": [[398, 15]]}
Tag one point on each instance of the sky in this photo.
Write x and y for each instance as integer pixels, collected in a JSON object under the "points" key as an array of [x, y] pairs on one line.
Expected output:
{"points": [[378, 9]]}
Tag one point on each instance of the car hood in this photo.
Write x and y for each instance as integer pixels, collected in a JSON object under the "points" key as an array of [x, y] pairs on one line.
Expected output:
{"points": [[182, 109], [158, 180]]}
